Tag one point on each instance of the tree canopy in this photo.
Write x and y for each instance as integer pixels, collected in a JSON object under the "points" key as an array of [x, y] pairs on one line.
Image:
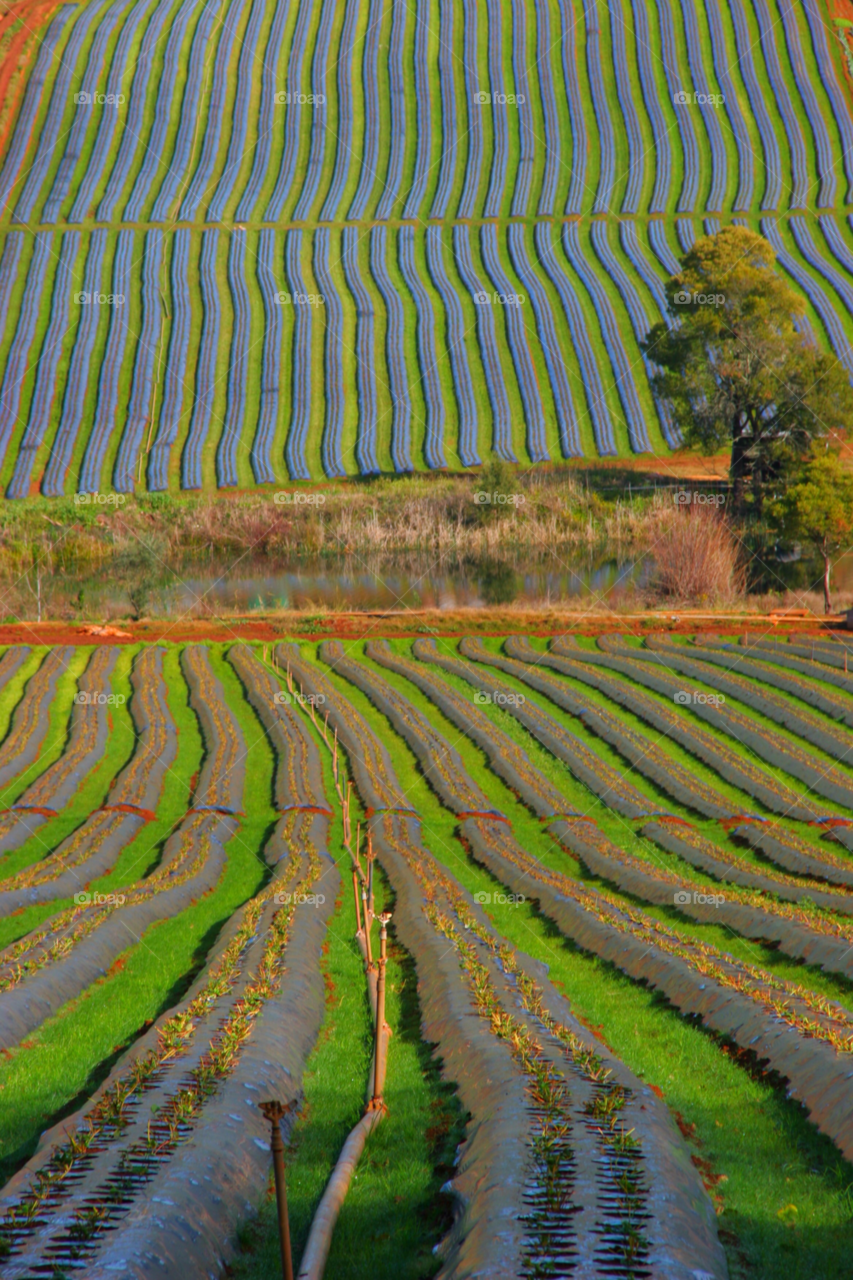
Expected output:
{"points": [[818, 509], [735, 367]]}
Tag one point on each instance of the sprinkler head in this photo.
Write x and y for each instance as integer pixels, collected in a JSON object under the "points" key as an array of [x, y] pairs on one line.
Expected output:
{"points": [[275, 1110]]}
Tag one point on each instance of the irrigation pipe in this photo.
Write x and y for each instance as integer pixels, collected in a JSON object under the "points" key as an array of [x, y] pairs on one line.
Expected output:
{"points": [[316, 1252]]}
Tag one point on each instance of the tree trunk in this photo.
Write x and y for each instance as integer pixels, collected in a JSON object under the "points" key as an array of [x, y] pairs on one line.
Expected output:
{"points": [[757, 489], [737, 467], [827, 569]]}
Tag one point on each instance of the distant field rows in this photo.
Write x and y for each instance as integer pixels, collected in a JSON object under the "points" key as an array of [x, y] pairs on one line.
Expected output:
{"points": [[303, 205]]}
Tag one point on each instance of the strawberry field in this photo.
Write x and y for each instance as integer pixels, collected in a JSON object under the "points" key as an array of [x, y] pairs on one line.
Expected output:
{"points": [[259, 241], [619, 1008]]}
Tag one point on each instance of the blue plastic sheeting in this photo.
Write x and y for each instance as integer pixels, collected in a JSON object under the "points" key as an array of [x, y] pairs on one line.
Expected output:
{"points": [[488, 343], [106, 408], [18, 358], [44, 391], [395, 351], [142, 386], [238, 364], [427, 352], [175, 374], [462, 382], [365, 354], [333, 358], [205, 377], [77, 382]]}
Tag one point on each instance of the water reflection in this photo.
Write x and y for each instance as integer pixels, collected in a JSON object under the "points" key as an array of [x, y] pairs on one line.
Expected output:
{"points": [[355, 586]]}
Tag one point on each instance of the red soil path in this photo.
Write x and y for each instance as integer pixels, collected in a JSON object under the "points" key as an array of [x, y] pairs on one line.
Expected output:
{"points": [[412, 623], [33, 14]]}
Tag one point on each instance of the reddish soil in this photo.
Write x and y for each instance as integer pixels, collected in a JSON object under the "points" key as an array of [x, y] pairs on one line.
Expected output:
{"points": [[412, 623], [842, 9], [33, 14]]}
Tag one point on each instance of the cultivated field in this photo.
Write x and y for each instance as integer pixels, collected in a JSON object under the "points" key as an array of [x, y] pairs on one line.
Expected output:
{"points": [[621, 887], [258, 241]]}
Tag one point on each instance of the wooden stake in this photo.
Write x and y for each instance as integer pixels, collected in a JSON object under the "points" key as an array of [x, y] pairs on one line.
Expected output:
{"points": [[367, 924], [357, 903], [274, 1112], [379, 1043]]}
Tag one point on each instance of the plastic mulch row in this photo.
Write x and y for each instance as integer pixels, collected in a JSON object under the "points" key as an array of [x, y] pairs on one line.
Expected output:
{"points": [[11, 662], [299, 779], [689, 844], [222, 775], [698, 901], [31, 717], [789, 851]]}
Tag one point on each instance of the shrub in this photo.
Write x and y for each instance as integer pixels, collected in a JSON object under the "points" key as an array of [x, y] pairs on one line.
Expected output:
{"points": [[698, 558]]}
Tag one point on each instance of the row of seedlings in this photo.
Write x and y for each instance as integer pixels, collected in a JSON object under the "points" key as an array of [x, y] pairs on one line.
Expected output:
{"points": [[131, 802], [138, 1171], [30, 722], [805, 1037], [816, 937], [62, 956]]}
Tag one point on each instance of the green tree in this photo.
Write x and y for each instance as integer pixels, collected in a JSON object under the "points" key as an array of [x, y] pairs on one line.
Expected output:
{"points": [[818, 509], [735, 369]]}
